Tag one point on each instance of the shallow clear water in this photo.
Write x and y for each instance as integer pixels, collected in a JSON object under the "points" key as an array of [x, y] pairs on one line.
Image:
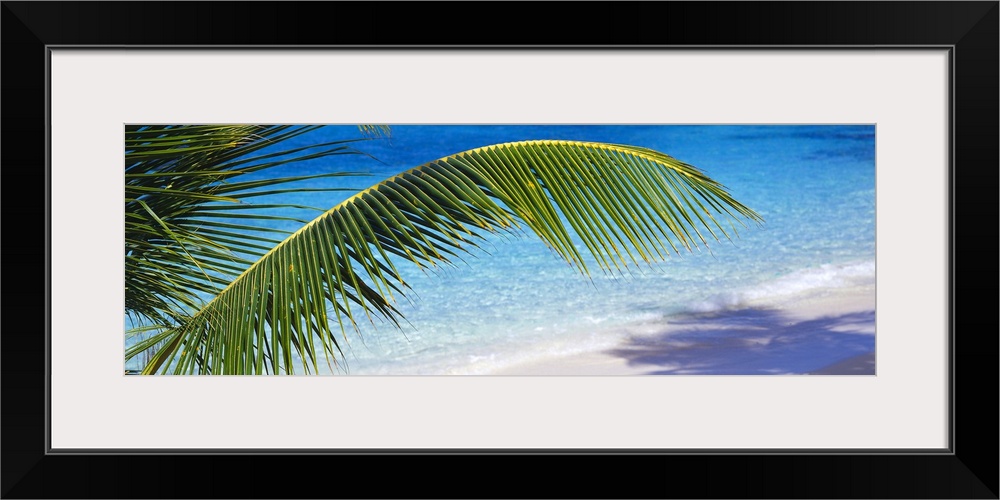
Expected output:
{"points": [[814, 186]]}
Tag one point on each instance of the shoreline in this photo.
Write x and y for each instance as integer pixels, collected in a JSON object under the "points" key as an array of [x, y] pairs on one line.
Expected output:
{"points": [[828, 334]]}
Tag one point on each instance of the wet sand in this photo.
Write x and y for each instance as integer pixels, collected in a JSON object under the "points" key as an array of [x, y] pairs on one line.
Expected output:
{"points": [[830, 334]]}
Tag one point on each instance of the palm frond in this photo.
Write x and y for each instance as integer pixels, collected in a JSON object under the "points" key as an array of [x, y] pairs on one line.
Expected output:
{"points": [[628, 205], [182, 195], [375, 130]]}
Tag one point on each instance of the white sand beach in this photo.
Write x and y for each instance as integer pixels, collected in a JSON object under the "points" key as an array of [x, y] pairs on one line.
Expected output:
{"points": [[825, 334]]}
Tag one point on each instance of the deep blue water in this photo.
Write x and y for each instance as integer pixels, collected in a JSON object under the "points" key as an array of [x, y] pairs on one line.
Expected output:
{"points": [[814, 186]]}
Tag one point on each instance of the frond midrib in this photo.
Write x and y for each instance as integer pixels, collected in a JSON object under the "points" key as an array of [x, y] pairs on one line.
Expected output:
{"points": [[626, 150]]}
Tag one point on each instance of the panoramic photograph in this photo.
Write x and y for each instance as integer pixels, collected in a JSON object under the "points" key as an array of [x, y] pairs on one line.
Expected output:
{"points": [[500, 250]]}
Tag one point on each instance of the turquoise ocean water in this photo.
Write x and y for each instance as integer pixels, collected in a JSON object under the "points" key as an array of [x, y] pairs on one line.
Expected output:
{"points": [[516, 301]]}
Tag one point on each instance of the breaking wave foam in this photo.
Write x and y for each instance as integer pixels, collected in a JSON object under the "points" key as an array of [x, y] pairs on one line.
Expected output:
{"points": [[802, 283]]}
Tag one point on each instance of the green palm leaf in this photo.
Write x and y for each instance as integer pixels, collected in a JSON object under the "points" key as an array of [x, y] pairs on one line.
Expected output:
{"points": [[628, 205], [182, 192]]}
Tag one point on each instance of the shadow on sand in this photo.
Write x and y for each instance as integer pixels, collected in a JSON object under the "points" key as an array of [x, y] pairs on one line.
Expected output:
{"points": [[757, 342]]}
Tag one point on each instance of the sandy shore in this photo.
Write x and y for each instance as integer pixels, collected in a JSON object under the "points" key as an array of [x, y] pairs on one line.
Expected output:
{"points": [[830, 334]]}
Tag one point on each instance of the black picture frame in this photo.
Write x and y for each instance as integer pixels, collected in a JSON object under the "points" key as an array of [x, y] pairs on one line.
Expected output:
{"points": [[969, 470]]}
